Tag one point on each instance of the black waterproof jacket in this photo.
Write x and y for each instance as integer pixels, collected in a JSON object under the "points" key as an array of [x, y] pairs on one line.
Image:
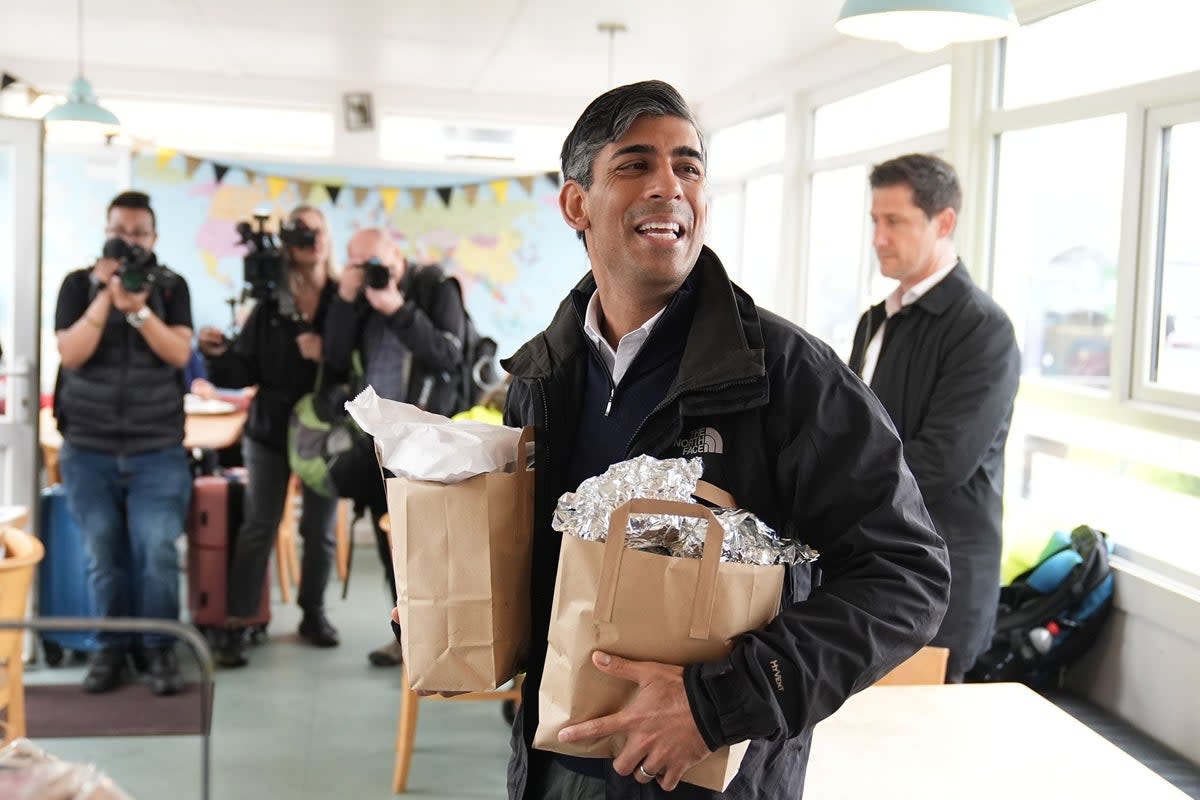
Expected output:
{"points": [[784, 426], [947, 374]]}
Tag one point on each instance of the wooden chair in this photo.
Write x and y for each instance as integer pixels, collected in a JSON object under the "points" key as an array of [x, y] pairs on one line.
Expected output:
{"points": [[926, 666], [406, 726], [22, 553], [287, 558]]}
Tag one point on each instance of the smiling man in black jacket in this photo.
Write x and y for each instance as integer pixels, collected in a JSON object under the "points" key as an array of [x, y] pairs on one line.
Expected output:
{"points": [[942, 358], [657, 352]]}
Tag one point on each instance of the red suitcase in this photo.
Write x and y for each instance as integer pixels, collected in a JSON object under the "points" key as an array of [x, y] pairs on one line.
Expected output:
{"points": [[213, 523]]}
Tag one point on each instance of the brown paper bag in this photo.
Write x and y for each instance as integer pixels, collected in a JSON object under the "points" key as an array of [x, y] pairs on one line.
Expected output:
{"points": [[461, 553], [646, 607]]}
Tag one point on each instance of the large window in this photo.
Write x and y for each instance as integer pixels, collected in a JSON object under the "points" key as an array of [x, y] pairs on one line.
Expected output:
{"points": [[1058, 224], [902, 109]]}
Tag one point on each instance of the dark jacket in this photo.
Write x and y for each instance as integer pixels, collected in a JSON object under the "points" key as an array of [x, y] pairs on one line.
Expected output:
{"points": [[797, 439], [265, 354], [430, 325], [124, 399], [947, 374]]}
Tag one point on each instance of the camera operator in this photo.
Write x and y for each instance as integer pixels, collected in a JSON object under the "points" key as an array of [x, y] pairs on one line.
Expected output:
{"points": [[124, 334], [279, 350], [407, 323]]}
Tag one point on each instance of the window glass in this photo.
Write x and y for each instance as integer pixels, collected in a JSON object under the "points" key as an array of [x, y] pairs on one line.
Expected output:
{"points": [[746, 146], [1102, 45], [896, 111], [1058, 222], [762, 228], [836, 246], [725, 228], [1176, 361]]}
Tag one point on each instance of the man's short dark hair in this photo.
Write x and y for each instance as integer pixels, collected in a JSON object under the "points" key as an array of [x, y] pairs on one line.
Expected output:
{"points": [[933, 181], [134, 200]]}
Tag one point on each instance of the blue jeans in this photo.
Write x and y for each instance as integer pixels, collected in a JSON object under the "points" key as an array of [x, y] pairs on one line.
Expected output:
{"points": [[129, 510]]}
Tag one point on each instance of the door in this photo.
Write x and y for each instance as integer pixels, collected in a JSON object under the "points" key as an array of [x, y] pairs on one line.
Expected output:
{"points": [[20, 285]]}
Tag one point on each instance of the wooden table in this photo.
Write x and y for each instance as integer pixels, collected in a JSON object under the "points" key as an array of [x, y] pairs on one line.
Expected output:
{"points": [[978, 741], [206, 431]]}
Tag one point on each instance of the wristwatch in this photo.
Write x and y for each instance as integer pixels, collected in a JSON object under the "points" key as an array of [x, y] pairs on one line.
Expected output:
{"points": [[139, 317]]}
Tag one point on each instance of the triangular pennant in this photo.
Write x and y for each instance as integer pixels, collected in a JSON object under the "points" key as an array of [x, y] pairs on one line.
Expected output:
{"points": [[191, 164], [526, 182], [219, 170], [6, 81], [360, 196], [445, 193], [32, 95], [305, 188], [275, 186], [333, 191], [472, 191], [165, 154], [554, 178], [500, 189], [388, 196], [418, 197], [251, 176]]}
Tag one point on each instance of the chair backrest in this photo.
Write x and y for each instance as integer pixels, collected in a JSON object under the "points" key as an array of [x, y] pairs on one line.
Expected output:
{"points": [[926, 666], [22, 552]]}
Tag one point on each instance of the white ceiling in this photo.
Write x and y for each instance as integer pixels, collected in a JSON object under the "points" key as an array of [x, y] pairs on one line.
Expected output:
{"points": [[541, 58]]}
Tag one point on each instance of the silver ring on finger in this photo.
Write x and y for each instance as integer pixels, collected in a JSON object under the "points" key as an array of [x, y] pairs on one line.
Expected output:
{"points": [[650, 775]]}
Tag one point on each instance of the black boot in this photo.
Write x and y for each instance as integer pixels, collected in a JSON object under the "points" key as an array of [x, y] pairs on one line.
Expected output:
{"points": [[106, 670], [164, 671], [231, 648], [316, 628]]}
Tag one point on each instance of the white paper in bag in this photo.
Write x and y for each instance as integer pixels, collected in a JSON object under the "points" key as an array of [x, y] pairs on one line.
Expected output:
{"points": [[422, 446]]}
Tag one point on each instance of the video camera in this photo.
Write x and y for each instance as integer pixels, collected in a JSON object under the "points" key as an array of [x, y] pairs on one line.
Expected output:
{"points": [[264, 272], [139, 268]]}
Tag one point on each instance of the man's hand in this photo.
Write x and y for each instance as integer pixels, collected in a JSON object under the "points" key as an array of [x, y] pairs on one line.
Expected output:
{"points": [[124, 301], [661, 738], [104, 269], [350, 282], [212, 342], [310, 346], [386, 301]]}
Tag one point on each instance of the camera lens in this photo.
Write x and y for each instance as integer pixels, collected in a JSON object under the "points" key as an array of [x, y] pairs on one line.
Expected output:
{"points": [[376, 275]]}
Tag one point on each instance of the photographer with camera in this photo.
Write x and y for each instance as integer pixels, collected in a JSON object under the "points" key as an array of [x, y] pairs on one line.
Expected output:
{"points": [[279, 349], [124, 329], [407, 323]]}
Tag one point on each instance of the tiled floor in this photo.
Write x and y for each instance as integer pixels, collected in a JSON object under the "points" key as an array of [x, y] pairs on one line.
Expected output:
{"points": [[301, 723]]}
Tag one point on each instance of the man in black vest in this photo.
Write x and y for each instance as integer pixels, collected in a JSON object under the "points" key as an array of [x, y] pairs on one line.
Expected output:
{"points": [[123, 341], [657, 352], [941, 356], [409, 332]]}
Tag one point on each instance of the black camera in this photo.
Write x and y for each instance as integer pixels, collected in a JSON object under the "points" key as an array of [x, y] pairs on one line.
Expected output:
{"points": [[297, 234], [375, 274], [139, 268], [263, 270]]}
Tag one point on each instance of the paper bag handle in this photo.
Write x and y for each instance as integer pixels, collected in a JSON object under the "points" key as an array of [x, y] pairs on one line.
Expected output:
{"points": [[706, 581], [714, 494], [522, 448]]}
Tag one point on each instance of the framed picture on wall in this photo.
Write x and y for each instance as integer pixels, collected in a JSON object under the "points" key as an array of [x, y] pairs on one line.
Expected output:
{"points": [[359, 111]]}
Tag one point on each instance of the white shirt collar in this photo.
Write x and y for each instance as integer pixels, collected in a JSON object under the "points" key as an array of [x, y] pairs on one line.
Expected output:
{"points": [[895, 301], [618, 360]]}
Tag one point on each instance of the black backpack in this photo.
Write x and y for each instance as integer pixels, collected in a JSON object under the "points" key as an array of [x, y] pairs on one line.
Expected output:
{"points": [[1051, 613]]}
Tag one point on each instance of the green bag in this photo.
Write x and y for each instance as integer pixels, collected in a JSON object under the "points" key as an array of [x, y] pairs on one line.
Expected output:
{"points": [[320, 429]]}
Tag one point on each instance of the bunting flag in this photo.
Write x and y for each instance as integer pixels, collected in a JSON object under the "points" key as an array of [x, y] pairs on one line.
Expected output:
{"points": [[526, 182], [32, 95], [219, 170], [191, 164], [305, 188], [165, 154], [472, 191], [500, 189], [360, 196], [418, 197], [388, 196], [445, 192], [554, 178], [333, 191], [275, 186], [251, 176], [6, 81]]}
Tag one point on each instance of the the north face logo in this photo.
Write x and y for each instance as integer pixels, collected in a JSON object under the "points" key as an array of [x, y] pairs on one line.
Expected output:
{"points": [[701, 440]]}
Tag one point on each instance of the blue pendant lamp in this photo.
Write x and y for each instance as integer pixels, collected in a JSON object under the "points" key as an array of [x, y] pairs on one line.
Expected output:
{"points": [[81, 105], [927, 25]]}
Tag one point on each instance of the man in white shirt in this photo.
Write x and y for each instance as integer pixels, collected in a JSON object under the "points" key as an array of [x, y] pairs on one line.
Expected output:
{"points": [[941, 356]]}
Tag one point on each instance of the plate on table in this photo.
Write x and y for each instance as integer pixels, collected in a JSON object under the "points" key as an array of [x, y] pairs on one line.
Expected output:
{"points": [[195, 405]]}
